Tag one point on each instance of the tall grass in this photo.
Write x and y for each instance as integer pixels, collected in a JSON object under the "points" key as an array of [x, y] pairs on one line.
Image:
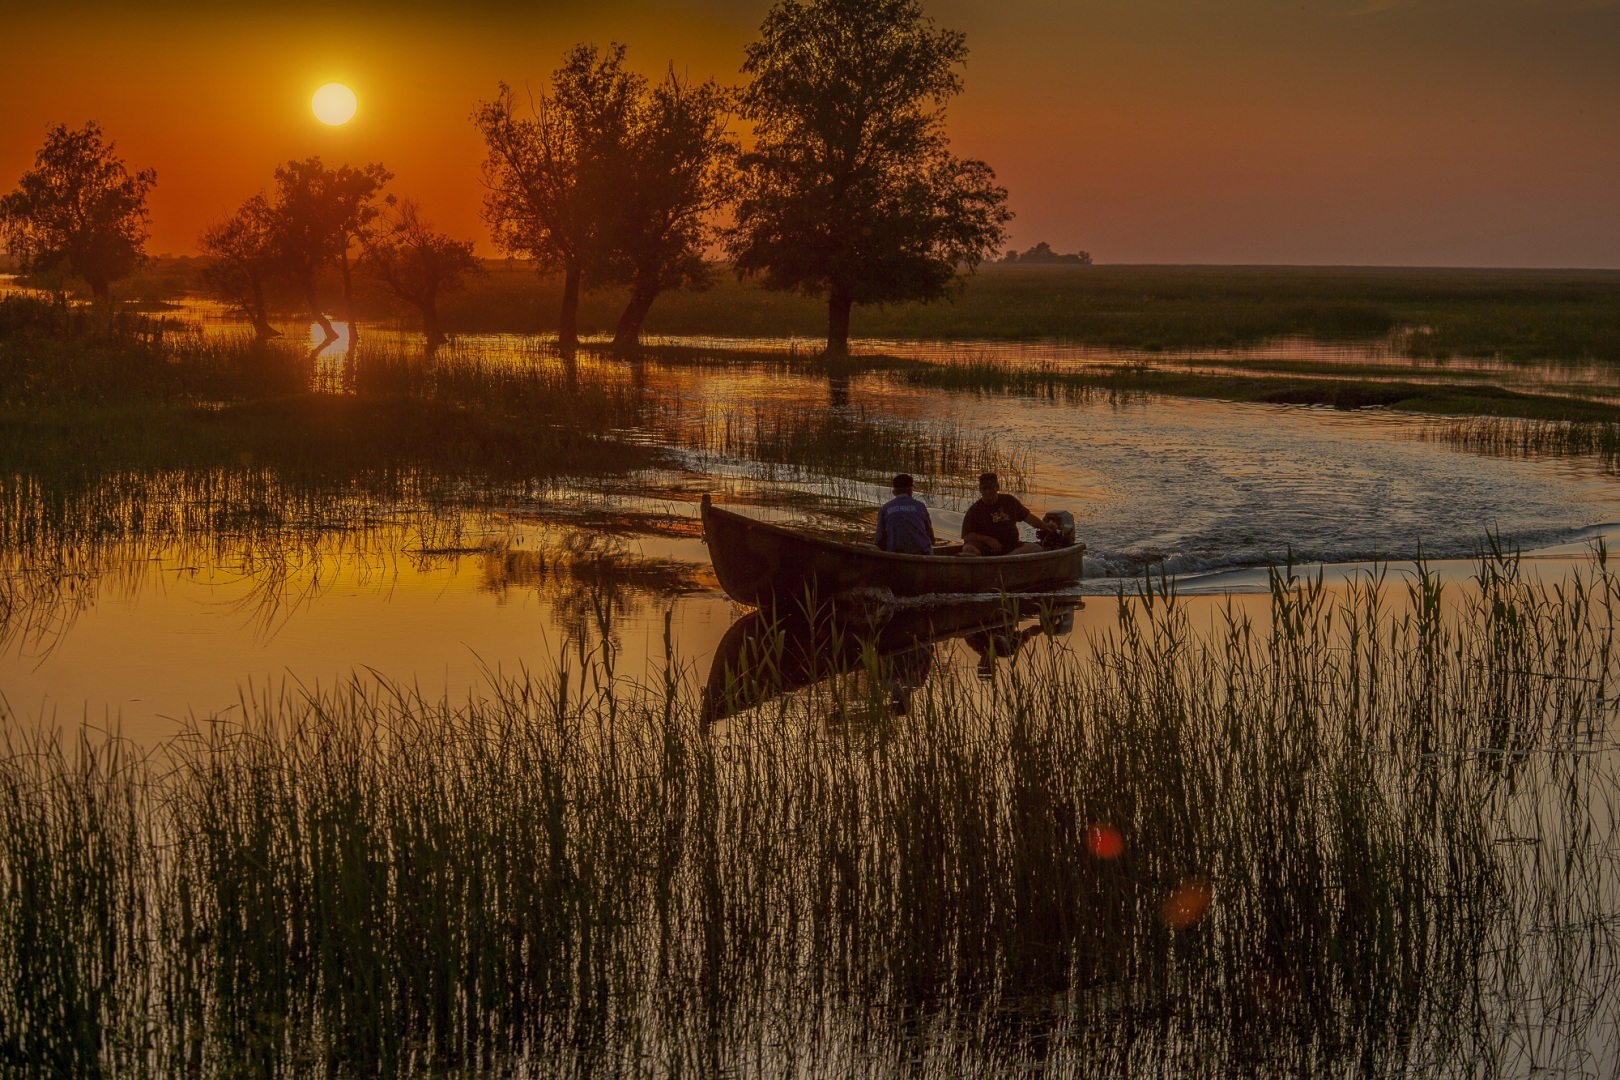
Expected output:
{"points": [[1424, 312], [858, 443], [1368, 835], [1522, 437]]}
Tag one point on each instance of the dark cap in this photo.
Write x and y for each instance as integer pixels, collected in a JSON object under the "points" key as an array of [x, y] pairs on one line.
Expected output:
{"points": [[988, 478], [902, 482]]}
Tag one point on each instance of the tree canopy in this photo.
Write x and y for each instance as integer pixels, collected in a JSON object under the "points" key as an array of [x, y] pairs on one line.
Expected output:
{"points": [[416, 264], [549, 175], [243, 260], [320, 213], [851, 190], [79, 212], [676, 173]]}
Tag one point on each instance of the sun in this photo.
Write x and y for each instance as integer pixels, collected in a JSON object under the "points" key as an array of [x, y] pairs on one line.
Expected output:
{"points": [[334, 104]]}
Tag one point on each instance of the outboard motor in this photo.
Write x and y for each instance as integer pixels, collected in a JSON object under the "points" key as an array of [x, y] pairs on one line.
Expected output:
{"points": [[1064, 535]]}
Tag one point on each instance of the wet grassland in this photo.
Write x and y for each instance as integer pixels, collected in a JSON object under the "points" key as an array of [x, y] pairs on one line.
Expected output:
{"points": [[1371, 832], [1517, 315], [1368, 830]]}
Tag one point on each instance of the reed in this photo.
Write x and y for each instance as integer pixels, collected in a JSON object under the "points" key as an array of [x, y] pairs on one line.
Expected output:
{"points": [[1366, 835], [800, 443], [1524, 438], [1424, 313]]}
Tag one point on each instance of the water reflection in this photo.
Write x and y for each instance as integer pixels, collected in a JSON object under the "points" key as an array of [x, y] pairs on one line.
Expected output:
{"points": [[765, 654]]}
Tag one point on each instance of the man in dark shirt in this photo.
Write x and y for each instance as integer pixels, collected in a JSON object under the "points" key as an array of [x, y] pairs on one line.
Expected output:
{"points": [[990, 527], [903, 524]]}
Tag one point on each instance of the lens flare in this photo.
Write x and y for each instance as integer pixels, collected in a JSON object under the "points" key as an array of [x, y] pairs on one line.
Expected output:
{"points": [[1187, 903], [1104, 842]]}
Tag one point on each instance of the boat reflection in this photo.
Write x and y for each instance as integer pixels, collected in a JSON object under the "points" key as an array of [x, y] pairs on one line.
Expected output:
{"points": [[765, 655]]}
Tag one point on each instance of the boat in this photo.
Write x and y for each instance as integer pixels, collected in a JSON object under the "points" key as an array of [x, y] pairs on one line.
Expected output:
{"points": [[766, 565], [766, 653]]}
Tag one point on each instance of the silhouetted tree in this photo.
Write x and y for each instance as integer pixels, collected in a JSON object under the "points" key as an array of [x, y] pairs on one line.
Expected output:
{"points": [[78, 212], [677, 172], [322, 215], [550, 175], [414, 263], [242, 260], [851, 191], [1042, 254]]}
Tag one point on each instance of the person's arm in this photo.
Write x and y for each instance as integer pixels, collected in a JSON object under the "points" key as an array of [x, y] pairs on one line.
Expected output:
{"points": [[881, 536], [928, 520], [1040, 523]]}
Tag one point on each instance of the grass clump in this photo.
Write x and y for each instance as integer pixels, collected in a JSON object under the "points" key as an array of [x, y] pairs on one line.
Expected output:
{"points": [[853, 442], [1323, 863], [1524, 438], [1518, 315]]}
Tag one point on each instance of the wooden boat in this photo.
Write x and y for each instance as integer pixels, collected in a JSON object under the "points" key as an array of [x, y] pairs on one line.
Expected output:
{"points": [[767, 653], [764, 565]]}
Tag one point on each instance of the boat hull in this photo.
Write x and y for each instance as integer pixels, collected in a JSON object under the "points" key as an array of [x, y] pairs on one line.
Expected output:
{"points": [[765, 565]]}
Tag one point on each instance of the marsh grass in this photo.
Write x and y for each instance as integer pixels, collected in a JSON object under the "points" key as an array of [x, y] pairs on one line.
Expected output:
{"points": [[1524, 438], [1425, 313], [1366, 835], [1518, 315], [795, 443]]}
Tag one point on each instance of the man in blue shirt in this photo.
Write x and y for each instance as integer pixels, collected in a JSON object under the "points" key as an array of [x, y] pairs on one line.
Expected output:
{"points": [[903, 524]]}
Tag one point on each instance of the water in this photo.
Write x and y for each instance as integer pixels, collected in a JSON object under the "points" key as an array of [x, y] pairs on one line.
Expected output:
{"points": [[1190, 487], [134, 633]]}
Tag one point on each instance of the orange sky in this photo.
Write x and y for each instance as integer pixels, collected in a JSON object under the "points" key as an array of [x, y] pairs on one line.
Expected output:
{"points": [[1428, 132]]}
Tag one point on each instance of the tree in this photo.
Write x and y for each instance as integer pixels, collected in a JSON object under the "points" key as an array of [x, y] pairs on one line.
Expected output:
{"points": [[549, 174], [322, 216], [1042, 254], [243, 259], [850, 191], [414, 263], [78, 212], [676, 174]]}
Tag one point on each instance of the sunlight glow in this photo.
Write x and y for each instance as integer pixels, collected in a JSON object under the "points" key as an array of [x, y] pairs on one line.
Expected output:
{"points": [[334, 104]]}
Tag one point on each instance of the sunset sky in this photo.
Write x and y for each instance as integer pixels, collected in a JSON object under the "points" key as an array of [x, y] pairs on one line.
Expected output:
{"points": [[1419, 132]]}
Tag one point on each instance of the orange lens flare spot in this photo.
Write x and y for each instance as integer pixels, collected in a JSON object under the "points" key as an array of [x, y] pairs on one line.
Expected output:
{"points": [[1104, 842], [1187, 903]]}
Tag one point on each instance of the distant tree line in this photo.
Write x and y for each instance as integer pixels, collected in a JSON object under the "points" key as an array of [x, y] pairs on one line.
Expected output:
{"points": [[1042, 254], [848, 191]]}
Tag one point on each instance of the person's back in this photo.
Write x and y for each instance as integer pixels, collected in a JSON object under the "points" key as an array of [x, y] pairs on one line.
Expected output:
{"points": [[903, 524]]}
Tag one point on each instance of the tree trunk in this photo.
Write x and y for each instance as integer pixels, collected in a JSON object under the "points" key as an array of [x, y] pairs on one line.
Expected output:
{"points": [[838, 305], [348, 302], [261, 317], [628, 336], [568, 319], [318, 315], [430, 322]]}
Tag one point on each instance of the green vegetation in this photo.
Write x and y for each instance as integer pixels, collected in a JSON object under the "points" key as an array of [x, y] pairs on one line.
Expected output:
{"points": [[1518, 315], [1497, 435], [850, 191], [84, 390], [1134, 381], [79, 212], [1370, 836], [857, 443]]}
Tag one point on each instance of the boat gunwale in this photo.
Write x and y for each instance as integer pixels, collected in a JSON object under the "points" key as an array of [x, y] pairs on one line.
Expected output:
{"points": [[872, 551]]}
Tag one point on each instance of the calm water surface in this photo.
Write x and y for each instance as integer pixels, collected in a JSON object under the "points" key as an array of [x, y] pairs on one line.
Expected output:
{"points": [[1192, 487]]}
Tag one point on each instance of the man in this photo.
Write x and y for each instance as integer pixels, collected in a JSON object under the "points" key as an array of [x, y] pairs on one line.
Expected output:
{"points": [[990, 527], [903, 524]]}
